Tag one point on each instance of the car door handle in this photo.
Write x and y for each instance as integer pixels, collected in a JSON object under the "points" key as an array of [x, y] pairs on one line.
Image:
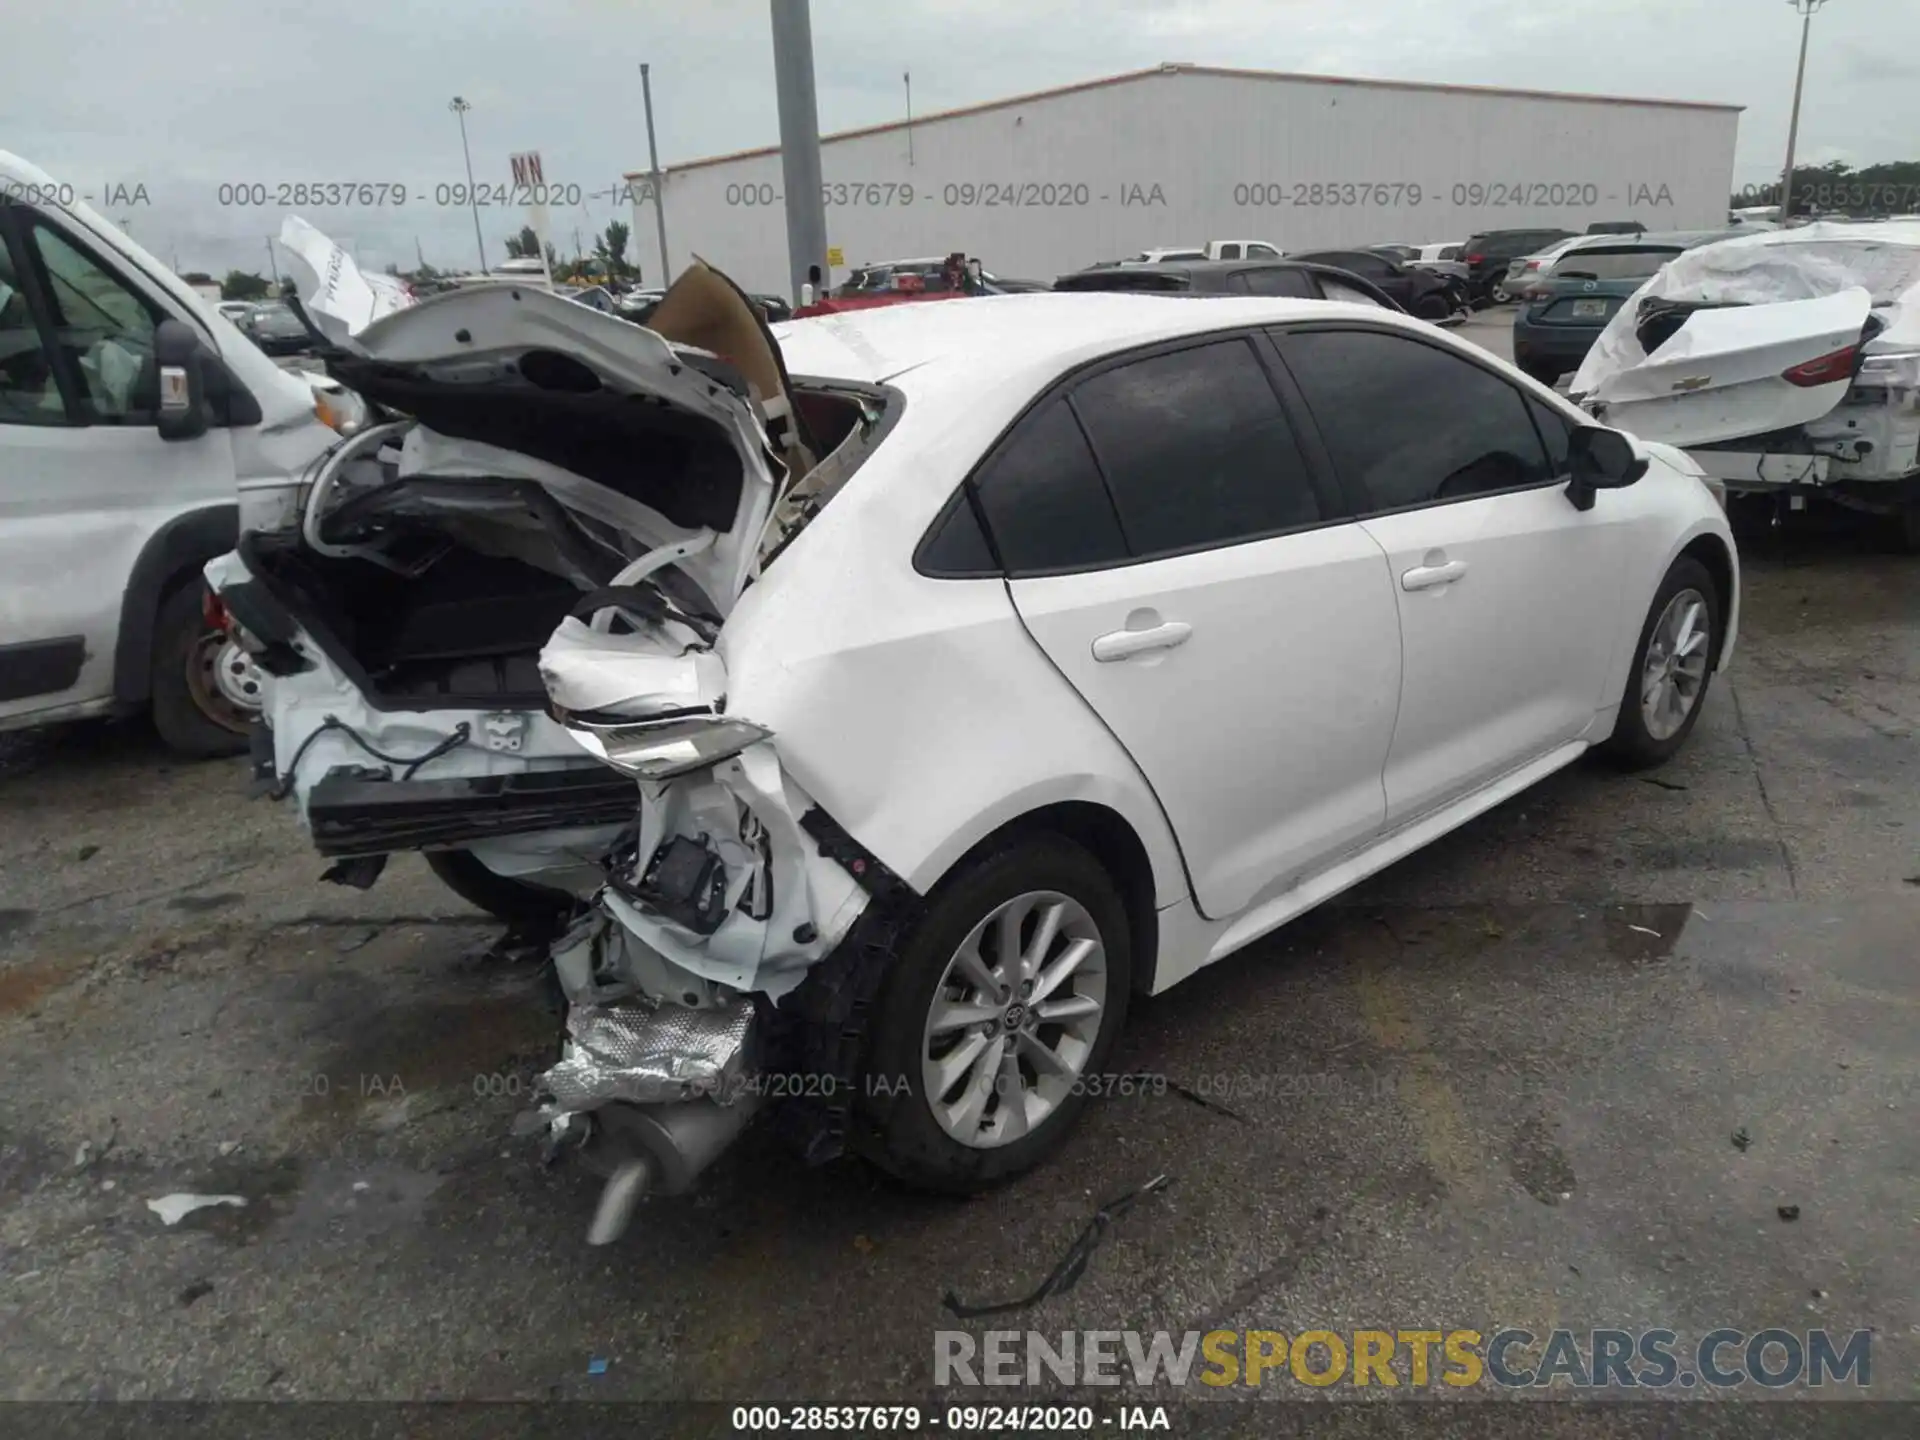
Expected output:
{"points": [[1425, 577], [1120, 644]]}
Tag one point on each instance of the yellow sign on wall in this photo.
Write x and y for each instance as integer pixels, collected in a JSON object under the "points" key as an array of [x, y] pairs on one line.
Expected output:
{"points": [[834, 257]]}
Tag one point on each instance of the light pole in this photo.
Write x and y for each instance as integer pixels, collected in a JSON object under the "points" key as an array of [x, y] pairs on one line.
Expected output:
{"points": [[653, 159], [1805, 9], [460, 108], [799, 140]]}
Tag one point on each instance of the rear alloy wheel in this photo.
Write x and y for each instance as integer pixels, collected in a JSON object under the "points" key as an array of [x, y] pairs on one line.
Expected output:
{"points": [[1671, 669], [999, 1013], [206, 689]]}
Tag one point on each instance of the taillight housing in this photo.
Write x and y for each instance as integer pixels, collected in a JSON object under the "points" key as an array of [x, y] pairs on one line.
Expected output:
{"points": [[214, 611], [1475, 259], [1827, 370]]}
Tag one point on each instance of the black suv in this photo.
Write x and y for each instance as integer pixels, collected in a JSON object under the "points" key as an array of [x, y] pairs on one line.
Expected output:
{"points": [[1486, 255], [1292, 278]]}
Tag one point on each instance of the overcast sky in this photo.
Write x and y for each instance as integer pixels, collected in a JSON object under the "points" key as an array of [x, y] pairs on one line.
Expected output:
{"points": [[179, 97]]}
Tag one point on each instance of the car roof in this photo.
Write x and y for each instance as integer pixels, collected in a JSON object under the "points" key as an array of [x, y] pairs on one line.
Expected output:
{"points": [[1027, 340]]}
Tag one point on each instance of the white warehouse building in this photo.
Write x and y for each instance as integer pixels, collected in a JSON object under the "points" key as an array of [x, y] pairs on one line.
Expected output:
{"points": [[1041, 184]]}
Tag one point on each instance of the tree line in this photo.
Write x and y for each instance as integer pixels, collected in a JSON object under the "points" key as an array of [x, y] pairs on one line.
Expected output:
{"points": [[1889, 188]]}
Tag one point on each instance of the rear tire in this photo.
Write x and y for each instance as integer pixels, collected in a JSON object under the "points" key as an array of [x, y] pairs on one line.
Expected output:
{"points": [[514, 902], [188, 709], [1639, 742], [1432, 307], [899, 1130]]}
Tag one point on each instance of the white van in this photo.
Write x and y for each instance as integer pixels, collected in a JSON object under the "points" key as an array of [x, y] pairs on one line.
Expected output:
{"points": [[135, 424]]}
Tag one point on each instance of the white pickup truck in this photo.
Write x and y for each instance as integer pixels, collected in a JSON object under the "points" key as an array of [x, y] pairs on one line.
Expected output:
{"points": [[1211, 250]]}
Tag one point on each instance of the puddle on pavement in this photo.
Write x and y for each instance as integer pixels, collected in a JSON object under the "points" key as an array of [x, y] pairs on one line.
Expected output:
{"points": [[396, 1053], [1537, 1164], [1644, 933]]}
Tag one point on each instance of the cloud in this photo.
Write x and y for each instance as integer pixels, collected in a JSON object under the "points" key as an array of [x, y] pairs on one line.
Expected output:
{"points": [[285, 90]]}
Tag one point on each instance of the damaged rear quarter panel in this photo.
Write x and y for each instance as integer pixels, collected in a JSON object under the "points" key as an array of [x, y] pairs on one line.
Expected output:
{"points": [[917, 712]]}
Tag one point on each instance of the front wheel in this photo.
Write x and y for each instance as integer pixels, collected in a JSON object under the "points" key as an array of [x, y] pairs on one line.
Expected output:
{"points": [[997, 1019], [1671, 669]]}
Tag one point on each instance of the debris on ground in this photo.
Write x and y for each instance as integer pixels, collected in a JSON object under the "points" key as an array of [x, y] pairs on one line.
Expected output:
{"points": [[1741, 1139], [198, 1290], [227, 1147], [172, 1209], [355, 939], [1788, 1212], [1072, 1265], [1644, 931], [87, 852], [596, 1365]]}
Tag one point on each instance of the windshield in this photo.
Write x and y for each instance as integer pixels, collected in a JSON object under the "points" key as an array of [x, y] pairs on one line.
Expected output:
{"points": [[1124, 280], [1638, 263]]}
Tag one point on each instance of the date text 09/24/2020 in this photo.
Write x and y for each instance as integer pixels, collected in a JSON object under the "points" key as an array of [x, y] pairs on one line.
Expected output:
{"points": [[1259, 194]]}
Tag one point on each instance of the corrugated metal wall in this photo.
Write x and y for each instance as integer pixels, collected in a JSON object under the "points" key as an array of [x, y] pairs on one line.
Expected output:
{"points": [[1178, 157]]}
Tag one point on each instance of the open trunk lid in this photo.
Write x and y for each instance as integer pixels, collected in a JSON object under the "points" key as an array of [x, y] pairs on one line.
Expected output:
{"points": [[671, 442], [1755, 335]]}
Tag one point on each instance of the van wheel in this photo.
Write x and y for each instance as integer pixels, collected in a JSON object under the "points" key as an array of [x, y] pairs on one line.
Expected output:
{"points": [[206, 690], [518, 904], [997, 1019]]}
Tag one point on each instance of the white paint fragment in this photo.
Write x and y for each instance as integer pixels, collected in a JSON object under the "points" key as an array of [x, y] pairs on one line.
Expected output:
{"points": [[1644, 931], [172, 1209]]}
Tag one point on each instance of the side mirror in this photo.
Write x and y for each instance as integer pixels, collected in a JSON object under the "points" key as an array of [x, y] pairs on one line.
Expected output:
{"points": [[183, 381], [1600, 459]]}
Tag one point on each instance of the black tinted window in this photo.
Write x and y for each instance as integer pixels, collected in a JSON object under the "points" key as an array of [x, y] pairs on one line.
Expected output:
{"points": [[1044, 501], [1196, 449], [1555, 432], [1410, 423], [956, 546], [1279, 280]]}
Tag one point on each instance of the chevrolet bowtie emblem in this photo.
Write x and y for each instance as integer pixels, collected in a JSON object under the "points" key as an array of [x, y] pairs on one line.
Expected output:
{"points": [[1693, 382]]}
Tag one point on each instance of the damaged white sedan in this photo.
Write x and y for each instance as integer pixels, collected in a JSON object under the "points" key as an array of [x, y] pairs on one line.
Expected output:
{"points": [[978, 666], [1786, 362]]}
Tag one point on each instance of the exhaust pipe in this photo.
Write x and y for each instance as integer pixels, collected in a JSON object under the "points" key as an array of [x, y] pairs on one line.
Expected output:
{"points": [[661, 1148]]}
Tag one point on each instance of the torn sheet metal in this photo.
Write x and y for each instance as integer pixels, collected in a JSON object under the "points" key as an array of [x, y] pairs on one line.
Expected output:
{"points": [[342, 299], [1771, 268], [646, 1053], [659, 670]]}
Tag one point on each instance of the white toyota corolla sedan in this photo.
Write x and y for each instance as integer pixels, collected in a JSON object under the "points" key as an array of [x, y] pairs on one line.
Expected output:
{"points": [[1005, 658]]}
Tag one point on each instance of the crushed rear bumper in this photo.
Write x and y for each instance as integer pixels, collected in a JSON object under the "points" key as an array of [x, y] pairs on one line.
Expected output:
{"points": [[353, 814]]}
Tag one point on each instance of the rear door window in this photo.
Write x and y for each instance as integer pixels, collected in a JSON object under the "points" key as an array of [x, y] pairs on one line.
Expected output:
{"points": [[1196, 449], [1411, 424], [1230, 252], [1044, 501]]}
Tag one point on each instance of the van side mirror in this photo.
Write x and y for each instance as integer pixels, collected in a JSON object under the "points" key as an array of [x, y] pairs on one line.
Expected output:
{"points": [[181, 359], [1600, 459]]}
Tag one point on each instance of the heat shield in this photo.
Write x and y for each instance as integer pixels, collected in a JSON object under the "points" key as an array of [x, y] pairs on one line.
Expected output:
{"points": [[646, 1053]]}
